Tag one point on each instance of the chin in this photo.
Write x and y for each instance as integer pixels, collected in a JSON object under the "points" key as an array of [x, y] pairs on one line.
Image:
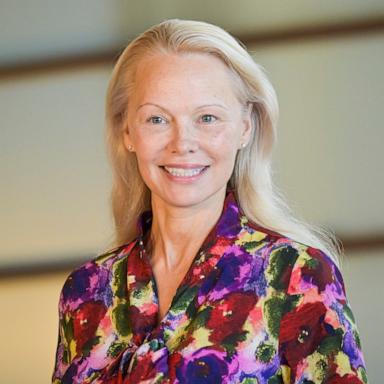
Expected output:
{"points": [[185, 199]]}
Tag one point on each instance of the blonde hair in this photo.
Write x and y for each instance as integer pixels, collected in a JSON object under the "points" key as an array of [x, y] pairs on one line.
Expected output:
{"points": [[251, 179]]}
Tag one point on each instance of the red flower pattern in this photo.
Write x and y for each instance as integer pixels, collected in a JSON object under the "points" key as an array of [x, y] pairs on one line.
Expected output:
{"points": [[227, 318], [174, 361], [213, 309], [143, 370], [321, 274], [85, 322], [301, 332]]}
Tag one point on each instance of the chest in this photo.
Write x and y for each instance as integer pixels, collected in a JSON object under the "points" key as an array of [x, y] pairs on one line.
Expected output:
{"points": [[167, 283]]}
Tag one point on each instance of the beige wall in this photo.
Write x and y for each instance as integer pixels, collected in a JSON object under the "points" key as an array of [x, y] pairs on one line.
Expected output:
{"points": [[363, 275], [55, 176], [28, 328]]}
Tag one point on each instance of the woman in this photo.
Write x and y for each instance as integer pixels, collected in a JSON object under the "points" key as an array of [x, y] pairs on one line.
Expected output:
{"points": [[212, 280]]}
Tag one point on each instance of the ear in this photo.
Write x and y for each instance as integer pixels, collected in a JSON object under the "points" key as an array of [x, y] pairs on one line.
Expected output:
{"points": [[247, 125], [127, 140]]}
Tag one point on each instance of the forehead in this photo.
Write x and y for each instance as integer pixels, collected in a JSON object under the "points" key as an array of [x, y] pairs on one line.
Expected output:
{"points": [[186, 59], [183, 72]]}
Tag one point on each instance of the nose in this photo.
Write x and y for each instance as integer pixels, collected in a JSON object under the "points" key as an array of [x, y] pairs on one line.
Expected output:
{"points": [[184, 138]]}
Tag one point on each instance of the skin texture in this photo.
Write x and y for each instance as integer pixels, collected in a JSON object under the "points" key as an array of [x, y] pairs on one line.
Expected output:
{"points": [[184, 112]]}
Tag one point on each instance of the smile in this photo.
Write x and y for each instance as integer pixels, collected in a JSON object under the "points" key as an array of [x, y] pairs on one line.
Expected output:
{"points": [[184, 172]]}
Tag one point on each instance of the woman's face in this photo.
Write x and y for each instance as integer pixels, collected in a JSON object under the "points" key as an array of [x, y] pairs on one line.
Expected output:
{"points": [[186, 125]]}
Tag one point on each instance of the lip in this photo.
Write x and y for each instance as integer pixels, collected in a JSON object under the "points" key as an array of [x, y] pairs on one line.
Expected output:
{"points": [[184, 165], [184, 179]]}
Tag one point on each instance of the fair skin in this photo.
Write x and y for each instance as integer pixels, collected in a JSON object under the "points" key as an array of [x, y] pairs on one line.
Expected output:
{"points": [[185, 125]]}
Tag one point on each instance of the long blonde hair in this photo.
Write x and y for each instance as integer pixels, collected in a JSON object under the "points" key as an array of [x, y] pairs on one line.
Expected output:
{"points": [[251, 179]]}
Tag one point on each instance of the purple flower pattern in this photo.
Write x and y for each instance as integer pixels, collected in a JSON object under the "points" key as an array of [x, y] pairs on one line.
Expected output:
{"points": [[254, 307]]}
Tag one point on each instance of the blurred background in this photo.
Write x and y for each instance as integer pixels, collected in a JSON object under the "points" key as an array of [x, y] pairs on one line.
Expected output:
{"points": [[325, 60]]}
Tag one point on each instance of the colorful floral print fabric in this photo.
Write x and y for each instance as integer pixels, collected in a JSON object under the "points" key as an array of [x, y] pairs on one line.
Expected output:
{"points": [[254, 307]]}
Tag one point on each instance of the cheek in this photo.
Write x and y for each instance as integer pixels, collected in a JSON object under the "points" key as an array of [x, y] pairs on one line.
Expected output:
{"points": [[144, 155], [150, 138], [224, 145], [144, 160], [146, 168], [148, 155], [147, 146]]}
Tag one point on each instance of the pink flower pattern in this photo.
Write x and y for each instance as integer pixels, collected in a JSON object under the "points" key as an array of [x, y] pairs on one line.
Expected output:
{"points": [[254, 307]]}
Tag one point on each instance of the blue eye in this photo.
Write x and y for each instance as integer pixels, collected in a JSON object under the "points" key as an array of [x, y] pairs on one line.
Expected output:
{"points": [[208, 118], [156, 120]]}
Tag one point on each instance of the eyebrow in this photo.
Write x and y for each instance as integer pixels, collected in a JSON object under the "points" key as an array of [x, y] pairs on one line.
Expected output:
{"points": [[166, 110]]}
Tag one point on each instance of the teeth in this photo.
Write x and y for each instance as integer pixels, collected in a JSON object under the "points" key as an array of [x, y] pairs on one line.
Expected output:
{"points": [[183, 172]]}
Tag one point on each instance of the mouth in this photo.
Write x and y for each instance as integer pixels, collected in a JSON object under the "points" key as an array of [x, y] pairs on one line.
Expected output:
{"points": [[184, 172]]}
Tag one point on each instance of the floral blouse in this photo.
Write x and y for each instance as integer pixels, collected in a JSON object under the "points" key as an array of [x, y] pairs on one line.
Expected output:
{"points": [[254, 307]]}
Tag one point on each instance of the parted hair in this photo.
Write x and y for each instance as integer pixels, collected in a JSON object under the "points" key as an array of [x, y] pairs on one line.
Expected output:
{"points": [[251, 179]]}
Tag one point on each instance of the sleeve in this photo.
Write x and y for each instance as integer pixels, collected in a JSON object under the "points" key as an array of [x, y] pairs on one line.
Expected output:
{"points": [[63, 350], [318, 338]]}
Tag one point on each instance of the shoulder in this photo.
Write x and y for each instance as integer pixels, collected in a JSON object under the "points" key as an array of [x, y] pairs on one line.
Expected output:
{"points": [[92, 280], [294, 267], [287, 262]]}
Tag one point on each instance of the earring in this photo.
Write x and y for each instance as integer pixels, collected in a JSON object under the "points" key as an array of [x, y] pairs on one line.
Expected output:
{"points": [[130, 148], [243, 145]]}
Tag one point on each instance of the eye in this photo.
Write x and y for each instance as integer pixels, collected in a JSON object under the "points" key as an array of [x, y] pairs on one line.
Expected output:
{"points": [[156, 120], [208, 118]]}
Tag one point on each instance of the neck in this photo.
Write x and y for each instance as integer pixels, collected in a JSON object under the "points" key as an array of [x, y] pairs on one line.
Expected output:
{"points": [[177, 233]]}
